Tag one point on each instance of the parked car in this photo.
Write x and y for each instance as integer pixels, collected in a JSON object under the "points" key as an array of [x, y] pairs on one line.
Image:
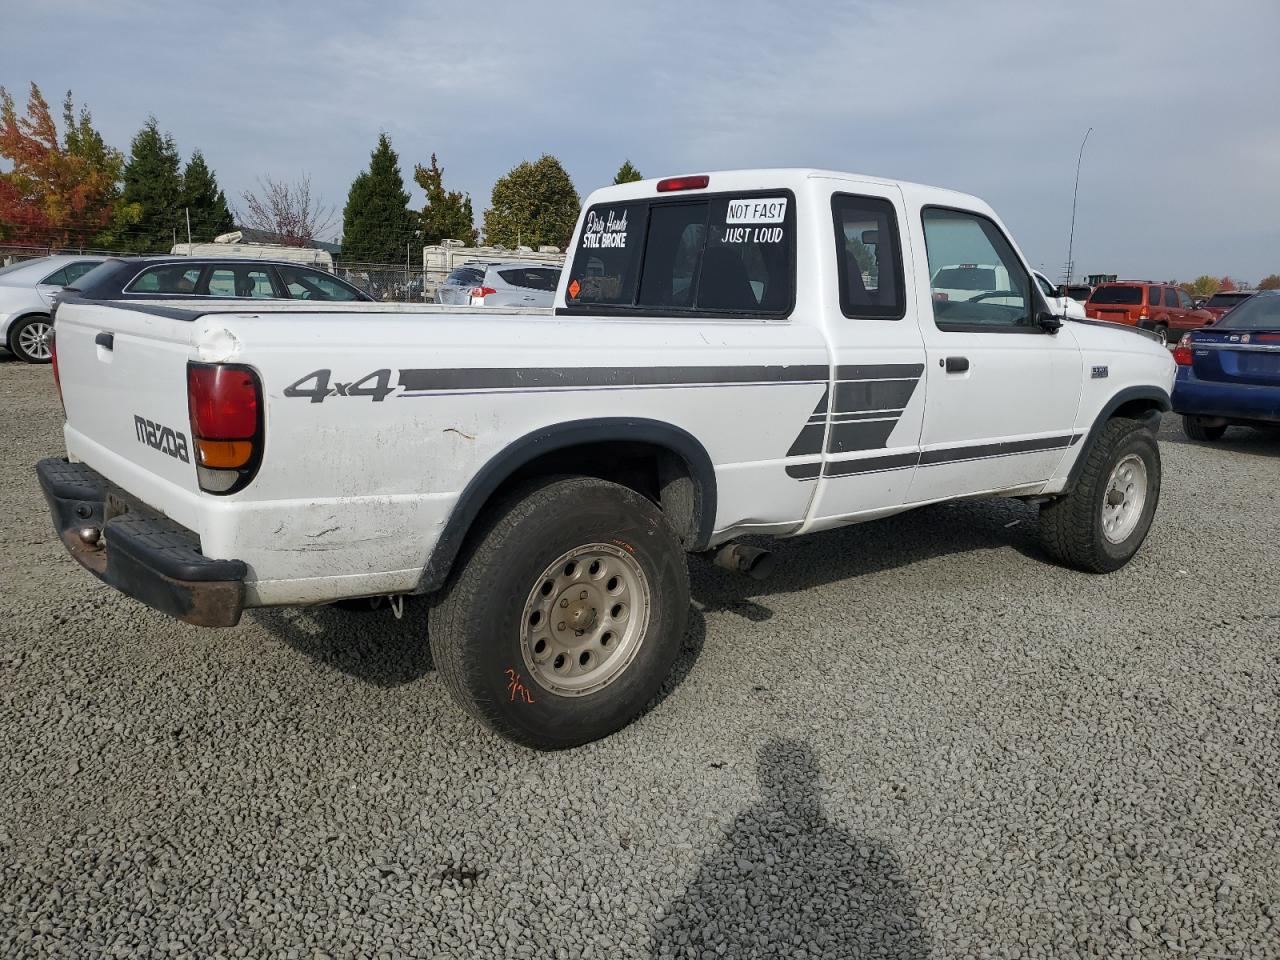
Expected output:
{"points": [[969, 281], [1162, 308], [201, 278], [1229, 374], [1062, 306], [720, 363], [1220, 303], [509, 284], [28, 289], [1078, 292]]}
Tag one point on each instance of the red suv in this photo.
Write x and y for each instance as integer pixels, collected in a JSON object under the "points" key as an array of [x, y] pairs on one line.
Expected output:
{"points": [[1159, 307], [1220, 303]]}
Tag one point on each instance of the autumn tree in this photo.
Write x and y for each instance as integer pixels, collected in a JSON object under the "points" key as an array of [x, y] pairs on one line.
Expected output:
{"points": [[57, 192], [447, 214], [1271, 282], [153, 181], [533, 204], [1202, 286], [1227, 285], [376, 223], [627, 173], [204, 201], [286, 210]]}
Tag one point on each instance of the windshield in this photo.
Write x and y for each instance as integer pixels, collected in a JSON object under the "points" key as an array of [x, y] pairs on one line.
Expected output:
{"points": [[1227, 300], [1261, 312], [965, 278], [1127, 296]]}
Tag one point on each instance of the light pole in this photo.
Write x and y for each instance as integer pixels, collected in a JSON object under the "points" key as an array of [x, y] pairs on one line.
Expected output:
{"points": [[1071, 239]]}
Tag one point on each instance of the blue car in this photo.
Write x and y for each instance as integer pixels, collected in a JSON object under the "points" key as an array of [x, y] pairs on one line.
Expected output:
{"points": [[1229, 374]]}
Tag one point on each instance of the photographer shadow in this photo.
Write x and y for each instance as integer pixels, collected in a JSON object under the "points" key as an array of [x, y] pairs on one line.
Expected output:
{"points": [[788, 882]]}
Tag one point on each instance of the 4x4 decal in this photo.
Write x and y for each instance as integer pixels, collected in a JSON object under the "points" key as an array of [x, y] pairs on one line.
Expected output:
{"points": [[376, 386]]}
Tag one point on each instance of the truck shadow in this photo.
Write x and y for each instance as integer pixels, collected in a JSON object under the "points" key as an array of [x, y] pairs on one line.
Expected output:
{"points": [[787, 881], [371, 646], [869, 548]]}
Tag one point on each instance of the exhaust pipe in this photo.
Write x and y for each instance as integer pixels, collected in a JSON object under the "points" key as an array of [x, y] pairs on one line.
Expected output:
{"points": [[740, 558]]}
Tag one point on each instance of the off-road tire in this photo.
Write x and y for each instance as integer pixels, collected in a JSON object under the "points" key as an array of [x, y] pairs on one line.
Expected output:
{"points": [[476, 621], [1071, 526], [1195, 428]]}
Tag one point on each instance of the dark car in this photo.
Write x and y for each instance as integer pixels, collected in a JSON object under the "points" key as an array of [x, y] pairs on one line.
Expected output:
{"points": [[1229, 374], [198, 278], [1220, 303]]}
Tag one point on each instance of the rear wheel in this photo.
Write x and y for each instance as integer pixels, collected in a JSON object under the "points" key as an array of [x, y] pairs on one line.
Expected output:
{"points": [[1197, 429], [565, 613], [31, 339], [1102, 522]]}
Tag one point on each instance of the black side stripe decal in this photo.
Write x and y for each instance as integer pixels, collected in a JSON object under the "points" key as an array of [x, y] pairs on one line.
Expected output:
{"points": [[880, 371], [860, 396], [533, 378], [863, 435], [903, 461], [804, 471], [810, 439]]}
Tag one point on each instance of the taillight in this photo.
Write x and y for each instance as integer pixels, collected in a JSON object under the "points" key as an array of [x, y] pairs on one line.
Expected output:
{"points": [[479, 293], [670, 184], [1182, 352], [225, 404]]}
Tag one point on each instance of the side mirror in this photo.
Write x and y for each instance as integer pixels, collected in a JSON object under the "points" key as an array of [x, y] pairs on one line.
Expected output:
{"points": [[1049, 323]]}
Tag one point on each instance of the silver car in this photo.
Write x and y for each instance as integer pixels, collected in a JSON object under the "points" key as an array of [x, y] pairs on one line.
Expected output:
{"points": [[27, 291], [512, 284]]}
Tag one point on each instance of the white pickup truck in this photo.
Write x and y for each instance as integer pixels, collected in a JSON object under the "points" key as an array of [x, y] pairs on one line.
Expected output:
{"points": [[739, 353]]}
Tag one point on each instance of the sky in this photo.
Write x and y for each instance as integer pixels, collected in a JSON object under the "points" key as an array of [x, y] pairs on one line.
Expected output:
{"points": [[1180, 175]]}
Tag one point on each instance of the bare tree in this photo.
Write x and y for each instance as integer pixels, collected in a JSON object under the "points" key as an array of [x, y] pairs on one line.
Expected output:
{"points": [[287, 210]]}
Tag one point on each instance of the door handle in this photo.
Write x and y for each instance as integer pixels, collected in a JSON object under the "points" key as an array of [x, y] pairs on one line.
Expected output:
{"points": [[107, 340], [956, 364]]}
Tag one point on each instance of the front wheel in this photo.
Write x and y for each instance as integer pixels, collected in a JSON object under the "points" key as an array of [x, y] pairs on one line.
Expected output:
{"points": [[30, 339], [565, 613], [1197, 429], [1102, 522]]}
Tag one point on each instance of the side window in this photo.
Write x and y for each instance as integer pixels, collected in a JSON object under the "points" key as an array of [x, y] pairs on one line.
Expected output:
{"points": [[1047, 288], [177, 279], [1184, 300], [304, 284], [1153, 296], [977, 280], [1170, 297], [77, 270], [606, 266], [869, 257], [239, 282], [58, 278]]}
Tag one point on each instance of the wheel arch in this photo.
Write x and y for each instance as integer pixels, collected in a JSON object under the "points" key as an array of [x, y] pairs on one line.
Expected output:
{"points": [[16, 320], [683, 484], [1145, 403]]}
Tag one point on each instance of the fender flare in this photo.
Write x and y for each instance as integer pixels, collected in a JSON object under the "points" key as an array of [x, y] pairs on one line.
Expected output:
{"points": [[1155, 394], [562, 436]]}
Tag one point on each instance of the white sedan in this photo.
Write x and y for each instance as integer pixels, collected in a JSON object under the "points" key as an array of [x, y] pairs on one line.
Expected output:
{"points": [[27, 291]]}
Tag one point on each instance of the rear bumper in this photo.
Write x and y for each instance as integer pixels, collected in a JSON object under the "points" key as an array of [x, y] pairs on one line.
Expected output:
{"points": [[141, 553], [1229, 401]]}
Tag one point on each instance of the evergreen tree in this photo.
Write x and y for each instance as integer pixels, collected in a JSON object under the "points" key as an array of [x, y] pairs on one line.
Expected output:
{"points": [[205, 202], [376, 223], [447, 214], [153, 181], [533, 204], [627, 173]]}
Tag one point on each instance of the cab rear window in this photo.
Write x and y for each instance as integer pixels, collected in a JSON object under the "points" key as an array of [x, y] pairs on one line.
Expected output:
{"points": [[1120, 295], [705, 254]]}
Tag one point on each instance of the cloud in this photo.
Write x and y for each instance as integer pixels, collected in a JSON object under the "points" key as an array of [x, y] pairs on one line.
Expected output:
{"points": [[991, 97]]}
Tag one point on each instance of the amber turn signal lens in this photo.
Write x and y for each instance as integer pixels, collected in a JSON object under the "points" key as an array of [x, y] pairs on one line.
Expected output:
{"points": [[224, 453]]}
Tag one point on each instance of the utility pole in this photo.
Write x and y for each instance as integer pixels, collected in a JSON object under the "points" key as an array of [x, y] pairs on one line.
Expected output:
{"points": [[1071, 239], [188, 211]]}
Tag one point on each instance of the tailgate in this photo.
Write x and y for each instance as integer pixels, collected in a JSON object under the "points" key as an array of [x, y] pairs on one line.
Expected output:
{"points": [[1251, 358], [124, 384]]}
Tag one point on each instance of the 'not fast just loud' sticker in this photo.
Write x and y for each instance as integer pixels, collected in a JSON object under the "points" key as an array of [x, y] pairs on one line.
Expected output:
{"points": [[757, 210]]}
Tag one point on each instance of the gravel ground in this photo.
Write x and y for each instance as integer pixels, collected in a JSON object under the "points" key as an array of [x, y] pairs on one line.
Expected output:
{"points": [[919, 738]]}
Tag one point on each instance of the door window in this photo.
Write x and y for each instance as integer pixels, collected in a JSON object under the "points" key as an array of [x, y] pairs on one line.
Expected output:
{"points": [[1153, 296], [978, 282], [177, 279], [304, 284], [1170, 297], [869, 257], [1184, 300], [77, 270], [253, 282]]}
